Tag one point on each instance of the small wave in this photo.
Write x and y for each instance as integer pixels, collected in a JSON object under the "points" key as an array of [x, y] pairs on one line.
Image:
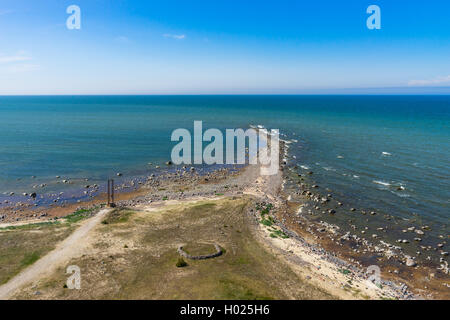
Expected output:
{"points": [[340, 157], [329, 169], [402, 195], [355, 176], [304, 167], [384, 153], [387, 184]]}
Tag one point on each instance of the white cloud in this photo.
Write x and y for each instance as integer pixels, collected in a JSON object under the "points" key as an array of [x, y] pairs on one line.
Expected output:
{"points": [[436, 81], [10, 59], [17, 63], [20, 68], [174, 36]]}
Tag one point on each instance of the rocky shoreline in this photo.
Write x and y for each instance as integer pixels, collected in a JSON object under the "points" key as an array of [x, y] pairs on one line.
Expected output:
{"points": [[307, 210], [401, 274], [129, 191]]}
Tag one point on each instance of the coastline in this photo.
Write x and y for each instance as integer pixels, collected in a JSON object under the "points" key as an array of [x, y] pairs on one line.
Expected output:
{"points": [[311, 252]]}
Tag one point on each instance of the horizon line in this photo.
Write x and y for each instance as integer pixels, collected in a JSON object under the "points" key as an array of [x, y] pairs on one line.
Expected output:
{"points": [[224, 94], [374, 91]]}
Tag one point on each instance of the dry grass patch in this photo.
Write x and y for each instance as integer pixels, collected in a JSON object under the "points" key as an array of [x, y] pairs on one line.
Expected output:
{"points": [[24, 245], [137, 258]]}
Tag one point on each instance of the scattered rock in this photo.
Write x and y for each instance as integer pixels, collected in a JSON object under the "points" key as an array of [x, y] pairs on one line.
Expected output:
{"points": [[410, 262]]}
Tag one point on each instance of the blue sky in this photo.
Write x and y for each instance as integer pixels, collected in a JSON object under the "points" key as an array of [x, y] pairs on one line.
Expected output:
{"points": [[191, 47]]}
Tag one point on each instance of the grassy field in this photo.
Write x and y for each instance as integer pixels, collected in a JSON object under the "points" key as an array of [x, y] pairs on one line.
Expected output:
{"points": [[134, 256], [21, 246]]}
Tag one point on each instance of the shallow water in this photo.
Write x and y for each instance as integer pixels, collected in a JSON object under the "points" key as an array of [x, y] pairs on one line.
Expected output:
{"points": [[387, 153]]}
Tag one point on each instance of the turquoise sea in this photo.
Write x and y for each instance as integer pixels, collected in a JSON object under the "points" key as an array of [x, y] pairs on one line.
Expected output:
{"points": [[387, 153]]}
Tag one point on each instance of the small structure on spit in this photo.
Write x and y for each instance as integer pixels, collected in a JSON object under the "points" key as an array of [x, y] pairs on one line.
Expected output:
{"points": [[111, 203]]}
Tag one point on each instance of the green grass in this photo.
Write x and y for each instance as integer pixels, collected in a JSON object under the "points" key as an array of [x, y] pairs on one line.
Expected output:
{"points": [[388, 298], [199, 249], [118, 216], [264, 208], [79, 215], [240, 290], [279, 234], [71, 218], [181, 263], [31, 226], [344, 271], [30, 258], [23, 245], [268, 222]]}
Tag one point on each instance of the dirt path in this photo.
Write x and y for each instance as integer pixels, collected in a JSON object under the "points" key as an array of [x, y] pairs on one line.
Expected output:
{"points": [[64, 251]]}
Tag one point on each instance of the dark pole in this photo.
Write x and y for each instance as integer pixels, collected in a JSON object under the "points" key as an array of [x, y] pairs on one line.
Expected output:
{"points": [[108, 193], [112, 191]]}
